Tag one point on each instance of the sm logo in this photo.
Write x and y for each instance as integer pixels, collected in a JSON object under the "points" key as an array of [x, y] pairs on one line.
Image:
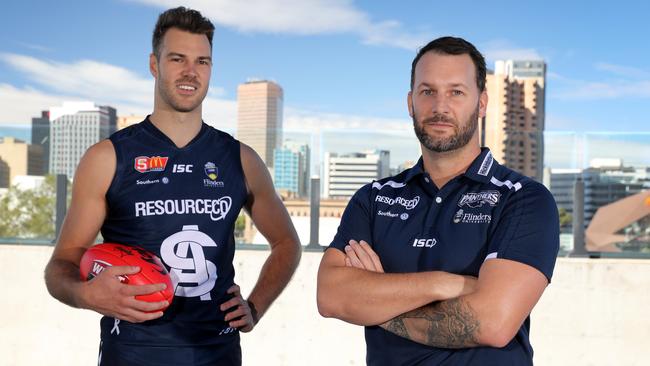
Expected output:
{"points": [[145, 164]]}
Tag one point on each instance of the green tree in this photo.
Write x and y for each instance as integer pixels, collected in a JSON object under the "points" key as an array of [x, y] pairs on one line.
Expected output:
{"points": [[240, 225], [8, 215], [29, 213], [565, 218]]}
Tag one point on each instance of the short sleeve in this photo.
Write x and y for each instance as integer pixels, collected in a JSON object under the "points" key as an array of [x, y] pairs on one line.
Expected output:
{"points": [[355, 222], [528, 230]]}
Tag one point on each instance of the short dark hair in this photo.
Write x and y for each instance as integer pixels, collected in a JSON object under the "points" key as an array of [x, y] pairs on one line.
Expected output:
{"points": [[184, 19], [454, 46]]}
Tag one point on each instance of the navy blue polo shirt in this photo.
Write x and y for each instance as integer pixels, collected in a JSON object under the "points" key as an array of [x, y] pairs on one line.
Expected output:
{"points": [[488, 212]]}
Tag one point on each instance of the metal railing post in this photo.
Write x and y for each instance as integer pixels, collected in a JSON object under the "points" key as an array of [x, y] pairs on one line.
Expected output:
{"points": [[314, 206], [61, 203], [579, 249]]}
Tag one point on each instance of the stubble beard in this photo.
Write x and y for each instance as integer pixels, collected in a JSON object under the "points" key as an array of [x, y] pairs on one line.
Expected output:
{"points": [[463, 133], [167, 93]]}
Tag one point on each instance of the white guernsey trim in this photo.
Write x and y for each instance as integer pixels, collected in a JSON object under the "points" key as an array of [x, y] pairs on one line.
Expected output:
{"points": [[509, 184], [390, 183], [491, 256]]}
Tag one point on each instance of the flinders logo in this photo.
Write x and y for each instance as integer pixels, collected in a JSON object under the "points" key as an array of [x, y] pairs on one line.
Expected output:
{"points": [[471, 218], [458, 216], [212, 172]]}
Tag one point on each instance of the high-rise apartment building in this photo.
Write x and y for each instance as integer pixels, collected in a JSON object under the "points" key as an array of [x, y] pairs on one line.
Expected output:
{"points": [[343, 175], [20, 158], [259, 117], [41, 136], [513, 127], [291, 168], [74, 127]]}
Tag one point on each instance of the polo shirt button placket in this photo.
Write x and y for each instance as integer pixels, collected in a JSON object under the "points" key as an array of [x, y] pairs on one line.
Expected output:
{"points": [[438, 199]]}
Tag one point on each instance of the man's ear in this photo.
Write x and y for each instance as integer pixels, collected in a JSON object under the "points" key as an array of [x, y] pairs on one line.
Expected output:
{"points": [[409, 101], [482, 103], [153, 65]]}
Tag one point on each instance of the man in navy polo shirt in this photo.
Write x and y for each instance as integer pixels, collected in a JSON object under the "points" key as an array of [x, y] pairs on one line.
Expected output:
{"points": [[444, 262]]}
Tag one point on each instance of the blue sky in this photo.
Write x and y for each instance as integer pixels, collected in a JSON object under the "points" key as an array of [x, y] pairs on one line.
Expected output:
{"points": [[342, 64]]}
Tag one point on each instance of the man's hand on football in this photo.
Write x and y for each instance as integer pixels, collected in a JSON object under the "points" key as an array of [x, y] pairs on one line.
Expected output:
{"points": [[107, 295]]}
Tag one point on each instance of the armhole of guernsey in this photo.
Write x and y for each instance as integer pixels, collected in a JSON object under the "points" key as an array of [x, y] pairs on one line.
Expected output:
{"points": [[237, 148], [119, 164], [372, 195]]}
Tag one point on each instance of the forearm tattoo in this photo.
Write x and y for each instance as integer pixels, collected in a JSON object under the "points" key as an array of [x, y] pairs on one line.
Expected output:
{"points": [[445, 324]]}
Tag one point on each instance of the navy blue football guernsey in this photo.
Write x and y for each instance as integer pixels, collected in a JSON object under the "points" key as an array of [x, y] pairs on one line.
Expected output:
{"points": [[488, 212], [181, 204]]}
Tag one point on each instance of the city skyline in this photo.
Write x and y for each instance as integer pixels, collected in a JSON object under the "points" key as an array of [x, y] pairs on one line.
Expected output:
{"points": [[343, 64]]}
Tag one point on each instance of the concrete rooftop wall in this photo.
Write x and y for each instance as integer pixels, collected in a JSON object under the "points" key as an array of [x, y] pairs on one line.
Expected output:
{"points": [[594, 313]]}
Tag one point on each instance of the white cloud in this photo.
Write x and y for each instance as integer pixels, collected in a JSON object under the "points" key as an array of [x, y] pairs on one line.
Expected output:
{"points": [[607, 90], [563, 150], [20, 105], [575, 89], [314, 121], [220, 113], [132, 94], [89, 79], [569, 150], [501, 49], [101, 83], [615, 81], [390, 33], [555, 76], [623, 71], [305, 17], [35, 47], [278, 16], [557, 123]]}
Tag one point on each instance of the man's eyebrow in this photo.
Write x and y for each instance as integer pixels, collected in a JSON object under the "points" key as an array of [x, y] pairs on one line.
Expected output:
{"points": [[452, 85], [458, 85]]}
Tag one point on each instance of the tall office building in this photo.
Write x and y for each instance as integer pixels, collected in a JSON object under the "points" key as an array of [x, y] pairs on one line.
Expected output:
{"points": [[41, 136], [343, 175], [291, 168], [259, 117], [513, 127], [20, 158], [74, 127]]}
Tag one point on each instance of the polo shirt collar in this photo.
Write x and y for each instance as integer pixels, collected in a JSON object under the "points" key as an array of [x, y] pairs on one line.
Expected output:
{"points": [[415, 170], [482, 168]]}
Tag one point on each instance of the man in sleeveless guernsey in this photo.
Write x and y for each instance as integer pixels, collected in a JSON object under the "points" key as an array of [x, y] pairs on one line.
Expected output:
{"points": [[444, 262], [175, 186]]}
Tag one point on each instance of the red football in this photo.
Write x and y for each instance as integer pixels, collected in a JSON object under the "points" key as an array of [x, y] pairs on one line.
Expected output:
{"points": [[100, 256]]}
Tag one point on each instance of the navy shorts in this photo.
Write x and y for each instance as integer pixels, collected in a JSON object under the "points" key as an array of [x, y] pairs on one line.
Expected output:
{"points": [[117, 354]]}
